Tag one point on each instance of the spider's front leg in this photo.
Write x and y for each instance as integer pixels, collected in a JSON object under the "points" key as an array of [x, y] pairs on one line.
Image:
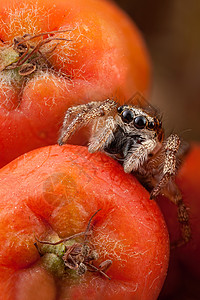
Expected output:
{"points": [[169, 170], [168, 187], [83, 114]]}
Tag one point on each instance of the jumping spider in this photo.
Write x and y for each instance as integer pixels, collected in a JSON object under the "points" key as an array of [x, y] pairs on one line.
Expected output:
{"points": [[134, 135]]}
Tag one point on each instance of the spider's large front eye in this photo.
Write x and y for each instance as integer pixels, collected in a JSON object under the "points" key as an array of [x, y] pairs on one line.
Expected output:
{"points": [[127, 116], [140, 122]]}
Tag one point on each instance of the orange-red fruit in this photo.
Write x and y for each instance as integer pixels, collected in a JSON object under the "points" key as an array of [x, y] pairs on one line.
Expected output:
{"points": [[104, 57], [58, 189]]}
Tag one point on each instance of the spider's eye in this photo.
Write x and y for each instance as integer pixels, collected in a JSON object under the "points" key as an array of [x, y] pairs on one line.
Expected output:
{"points": [[120, 109], [151, 125], [127, 116], [140, 122]]}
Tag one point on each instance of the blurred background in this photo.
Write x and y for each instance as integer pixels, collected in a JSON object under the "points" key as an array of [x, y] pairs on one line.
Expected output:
{"points": [[171, 29]]}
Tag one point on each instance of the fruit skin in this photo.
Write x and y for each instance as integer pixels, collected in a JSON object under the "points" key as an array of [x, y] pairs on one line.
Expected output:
{"points": [[105, 57], [57, 189], [184, 272]]}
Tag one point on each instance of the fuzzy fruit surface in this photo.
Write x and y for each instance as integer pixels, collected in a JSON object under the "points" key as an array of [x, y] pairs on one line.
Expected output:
{"points": [[94, 51], [55, 190]]}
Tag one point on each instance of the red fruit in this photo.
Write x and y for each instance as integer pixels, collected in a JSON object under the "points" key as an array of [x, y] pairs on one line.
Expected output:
{"points": [[55, 191], [103, 55]]}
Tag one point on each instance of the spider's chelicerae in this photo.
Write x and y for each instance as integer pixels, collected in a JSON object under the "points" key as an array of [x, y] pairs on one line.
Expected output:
{"points": [[134, 135]]}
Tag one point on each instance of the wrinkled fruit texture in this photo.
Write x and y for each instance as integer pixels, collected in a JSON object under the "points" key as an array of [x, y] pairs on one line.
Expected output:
{"points": [[103, 55], [57, 189]]}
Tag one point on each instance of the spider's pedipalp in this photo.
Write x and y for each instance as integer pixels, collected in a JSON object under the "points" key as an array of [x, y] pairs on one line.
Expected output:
{"points": [[138, 154], [104, 136]]}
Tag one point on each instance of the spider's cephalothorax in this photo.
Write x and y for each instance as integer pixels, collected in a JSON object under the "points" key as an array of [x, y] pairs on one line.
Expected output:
{"points": [[133, 135], [136, 135]]}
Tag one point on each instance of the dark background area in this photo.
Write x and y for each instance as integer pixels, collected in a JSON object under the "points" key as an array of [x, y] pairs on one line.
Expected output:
{"points": [[171, 30]]}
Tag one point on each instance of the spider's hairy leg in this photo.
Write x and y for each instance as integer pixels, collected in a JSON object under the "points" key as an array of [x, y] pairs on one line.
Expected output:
{"points": [[104, 136], [169, 170], [84, 114], [74, 110], [183, 218], [138, 154], [169, 188], [174, 195]]}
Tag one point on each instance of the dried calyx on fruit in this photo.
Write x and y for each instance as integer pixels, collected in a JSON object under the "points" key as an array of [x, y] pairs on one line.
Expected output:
{"points": [[68, 254], [29, 53]]}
